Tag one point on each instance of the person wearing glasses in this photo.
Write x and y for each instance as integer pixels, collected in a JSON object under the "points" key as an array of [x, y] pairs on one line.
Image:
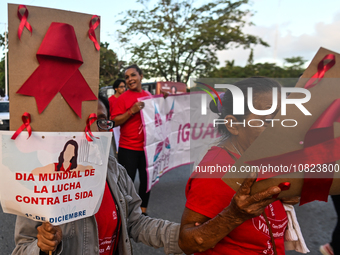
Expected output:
{"points": [[119, 87], [108, 232]]}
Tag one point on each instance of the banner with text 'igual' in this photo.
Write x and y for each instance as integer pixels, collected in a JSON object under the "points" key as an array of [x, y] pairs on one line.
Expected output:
{"points": [[171, 138]]}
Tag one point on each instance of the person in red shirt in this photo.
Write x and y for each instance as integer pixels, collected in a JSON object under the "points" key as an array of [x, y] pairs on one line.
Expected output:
{"points": [[126, 114], [119, 87], [218, 220]]}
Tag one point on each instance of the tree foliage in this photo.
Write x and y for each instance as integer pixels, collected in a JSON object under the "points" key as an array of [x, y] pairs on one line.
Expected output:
{"points": [[2, 75], [292, 68], [175, 40], [2, 65], [110, 66], [2, 41]]}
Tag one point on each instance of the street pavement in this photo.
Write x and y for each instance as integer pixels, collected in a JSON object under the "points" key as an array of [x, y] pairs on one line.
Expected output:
{"points": [[167, 201]]}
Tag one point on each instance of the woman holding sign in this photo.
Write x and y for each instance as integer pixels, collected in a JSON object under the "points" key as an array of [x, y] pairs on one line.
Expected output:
{"points": [[108, 231], [126, 114], [218, 220]]}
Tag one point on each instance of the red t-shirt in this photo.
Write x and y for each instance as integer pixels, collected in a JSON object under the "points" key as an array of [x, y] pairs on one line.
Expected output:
{"points": [[209, 196], [112, 102], [131, 132], [107, 221]]}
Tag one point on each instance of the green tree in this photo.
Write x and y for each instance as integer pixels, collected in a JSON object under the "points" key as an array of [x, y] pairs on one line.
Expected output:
{"points": [[293, 70], [2, 65], [294, 66], [110, 66], [286, 75], [2, 75], [175, 40]]}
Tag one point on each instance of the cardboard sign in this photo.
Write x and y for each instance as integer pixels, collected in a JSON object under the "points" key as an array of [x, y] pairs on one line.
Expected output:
{"points": [[55, 177], [279, 140], [58, 115]]}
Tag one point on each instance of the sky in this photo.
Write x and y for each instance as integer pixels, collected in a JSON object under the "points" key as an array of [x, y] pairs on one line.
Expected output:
{"points": [[291, 27]]}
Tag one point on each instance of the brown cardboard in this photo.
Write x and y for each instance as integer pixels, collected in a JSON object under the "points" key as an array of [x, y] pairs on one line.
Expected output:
{"points": [[278, 140], [58, 116]]}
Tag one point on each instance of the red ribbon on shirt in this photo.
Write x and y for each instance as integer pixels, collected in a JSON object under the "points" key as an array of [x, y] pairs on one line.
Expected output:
{"points": [[26, 119], [59, 58], [283, 186], [88, 133], [23, 21], [92, 34], [324, 65]]}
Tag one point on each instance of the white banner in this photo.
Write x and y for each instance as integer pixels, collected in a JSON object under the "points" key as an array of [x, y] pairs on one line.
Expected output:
{"points": [[55, 177], [176, 133]]}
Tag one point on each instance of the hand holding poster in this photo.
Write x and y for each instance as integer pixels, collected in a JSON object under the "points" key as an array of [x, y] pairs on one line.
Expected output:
{"points": [[55, 177]]}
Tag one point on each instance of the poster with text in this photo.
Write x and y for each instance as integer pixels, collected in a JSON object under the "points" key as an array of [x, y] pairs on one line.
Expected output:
{"points": [[171, 138], [57, 177]]}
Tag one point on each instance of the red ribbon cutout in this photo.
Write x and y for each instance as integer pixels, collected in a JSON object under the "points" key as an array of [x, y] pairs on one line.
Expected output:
{"points": [[322, 69], [88, 133], [23, 21], [59, 57], [26, 119], [320, 148], [92, 34]]}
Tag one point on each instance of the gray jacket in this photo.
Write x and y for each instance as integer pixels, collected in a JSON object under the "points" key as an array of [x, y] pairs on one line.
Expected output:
{"points": [[81, 236]]}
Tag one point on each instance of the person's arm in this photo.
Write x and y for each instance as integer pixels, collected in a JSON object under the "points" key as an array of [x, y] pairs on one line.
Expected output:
{"points": [[152, 232], [208, 232], [122, 118], [28, 238], [49, 237]]}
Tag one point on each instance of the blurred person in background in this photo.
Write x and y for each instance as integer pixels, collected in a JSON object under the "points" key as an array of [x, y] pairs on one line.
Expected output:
{"points": [[119, 87]]}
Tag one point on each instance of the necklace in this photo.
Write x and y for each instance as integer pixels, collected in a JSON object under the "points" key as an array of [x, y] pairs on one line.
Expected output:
{"points": [[235, 148]]}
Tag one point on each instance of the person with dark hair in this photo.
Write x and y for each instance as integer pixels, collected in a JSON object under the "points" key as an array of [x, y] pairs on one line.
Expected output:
{"points": [[218, 220], [67, 159], [126, 114], [173, 90], [119, 87], [108, 232]]}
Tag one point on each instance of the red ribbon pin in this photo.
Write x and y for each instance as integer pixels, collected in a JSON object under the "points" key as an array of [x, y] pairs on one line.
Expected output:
{"points": [[26, 119], [88, 133], [92, 34], [23, 21], [283, 186], [323, 67]]}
